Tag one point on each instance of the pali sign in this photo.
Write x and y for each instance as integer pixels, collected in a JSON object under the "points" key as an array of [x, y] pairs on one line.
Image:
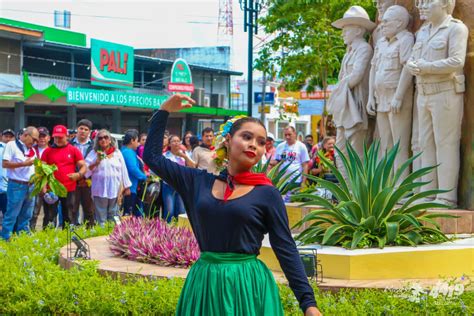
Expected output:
{"points": [[112, 65], [181, 80]]}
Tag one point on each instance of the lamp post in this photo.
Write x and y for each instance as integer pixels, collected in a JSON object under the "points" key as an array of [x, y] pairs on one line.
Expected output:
{"points": [[251, 9]]}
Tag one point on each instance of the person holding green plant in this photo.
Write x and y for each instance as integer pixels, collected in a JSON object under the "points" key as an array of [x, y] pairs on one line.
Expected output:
{"points": [[230, 213], [316, 166], [18, 159], [71, 168], [109, 175]]}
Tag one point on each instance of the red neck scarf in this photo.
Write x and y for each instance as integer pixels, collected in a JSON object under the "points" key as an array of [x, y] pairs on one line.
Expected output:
{"points": [[247, 178], [109, 151]]}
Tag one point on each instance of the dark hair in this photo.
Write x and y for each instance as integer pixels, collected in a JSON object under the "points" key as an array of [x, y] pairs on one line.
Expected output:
{"points": [[187, 133], [172, 136], [194, 142], [238, 124], [84, 122], [207, 130], [327, 138], [130, 135], [309, 135], [142, 134]]}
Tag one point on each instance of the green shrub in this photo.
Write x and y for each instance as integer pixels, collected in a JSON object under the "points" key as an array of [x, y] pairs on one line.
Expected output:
{"points": [[366, 214], [32, 283]]}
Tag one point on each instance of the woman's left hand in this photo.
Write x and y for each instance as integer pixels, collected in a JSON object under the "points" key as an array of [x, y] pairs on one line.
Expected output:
{"points": [[312, 311]]}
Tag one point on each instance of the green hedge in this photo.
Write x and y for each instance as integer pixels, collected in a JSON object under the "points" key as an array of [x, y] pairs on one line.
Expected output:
{"points": [[31, 282]]}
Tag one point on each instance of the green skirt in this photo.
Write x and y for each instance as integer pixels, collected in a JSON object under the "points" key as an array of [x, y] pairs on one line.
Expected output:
{"points": [[223, 284]]}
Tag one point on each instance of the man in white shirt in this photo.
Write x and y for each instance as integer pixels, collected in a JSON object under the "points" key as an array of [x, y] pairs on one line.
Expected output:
{"points": [[18, 159], [203, 155], [294, 153]]}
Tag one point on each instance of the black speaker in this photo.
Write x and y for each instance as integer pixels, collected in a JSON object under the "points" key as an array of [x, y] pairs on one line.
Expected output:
{"points": [[309, 264]]}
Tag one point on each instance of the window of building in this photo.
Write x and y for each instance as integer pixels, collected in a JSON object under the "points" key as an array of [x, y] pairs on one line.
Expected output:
{"points": [[281, 129], [271, 127], [301, 128]]}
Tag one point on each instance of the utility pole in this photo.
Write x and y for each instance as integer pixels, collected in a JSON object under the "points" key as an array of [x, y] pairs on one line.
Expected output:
{"points": [[251, 9], [264, 88]]}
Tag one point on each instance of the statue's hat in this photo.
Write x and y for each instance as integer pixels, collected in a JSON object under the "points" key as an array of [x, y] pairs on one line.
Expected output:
{"points": [[355, 15]]}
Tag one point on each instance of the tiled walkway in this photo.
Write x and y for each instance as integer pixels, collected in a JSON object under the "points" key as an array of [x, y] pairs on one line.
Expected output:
{"points": [[122, 267]]}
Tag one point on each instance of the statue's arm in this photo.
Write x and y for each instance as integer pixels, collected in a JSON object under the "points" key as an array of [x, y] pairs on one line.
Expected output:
{"points": [[406, 78], [371, 107]]}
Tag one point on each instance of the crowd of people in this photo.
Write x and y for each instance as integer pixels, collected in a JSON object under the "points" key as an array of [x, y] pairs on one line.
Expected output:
{"points": [[103, 180]]}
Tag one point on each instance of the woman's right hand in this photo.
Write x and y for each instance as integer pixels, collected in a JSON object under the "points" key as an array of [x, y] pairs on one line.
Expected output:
{"points": [[175, 103]]}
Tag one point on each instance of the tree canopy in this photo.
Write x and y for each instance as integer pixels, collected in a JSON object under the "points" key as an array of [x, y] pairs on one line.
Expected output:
{"points": [[305, 48]]}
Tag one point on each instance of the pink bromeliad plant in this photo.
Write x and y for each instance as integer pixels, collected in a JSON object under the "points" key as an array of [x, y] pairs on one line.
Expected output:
{"points": [[154, 241]]}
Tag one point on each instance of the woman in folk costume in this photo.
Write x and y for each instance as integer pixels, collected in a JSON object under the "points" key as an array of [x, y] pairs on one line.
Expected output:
{"points": [[230, 214]]}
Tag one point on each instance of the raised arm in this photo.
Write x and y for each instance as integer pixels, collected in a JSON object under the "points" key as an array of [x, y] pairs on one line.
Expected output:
{"points": [[285, 249], [178, 177]]}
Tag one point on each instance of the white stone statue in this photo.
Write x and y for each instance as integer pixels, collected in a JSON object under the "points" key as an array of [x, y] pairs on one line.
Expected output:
{"points": [[415, 137], [438, 61], [392, 52], [348, 100], [382, 6]]}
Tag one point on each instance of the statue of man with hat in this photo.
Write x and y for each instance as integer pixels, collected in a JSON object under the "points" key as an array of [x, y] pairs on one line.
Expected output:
{"points": [[349, 99]]}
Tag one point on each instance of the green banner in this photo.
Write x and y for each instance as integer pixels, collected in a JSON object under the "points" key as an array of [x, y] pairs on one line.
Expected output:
{"points": [[106, 97], [112, 64]]}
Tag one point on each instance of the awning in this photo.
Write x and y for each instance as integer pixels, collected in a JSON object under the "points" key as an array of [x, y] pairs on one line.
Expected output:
{"points": [[310, 107]]}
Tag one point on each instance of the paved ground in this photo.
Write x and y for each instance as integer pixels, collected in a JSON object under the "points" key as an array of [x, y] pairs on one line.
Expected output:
{"points": [[122, 267]]}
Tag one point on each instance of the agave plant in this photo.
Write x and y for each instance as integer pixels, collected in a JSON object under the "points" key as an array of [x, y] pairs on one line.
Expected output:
{"points": [[375, 206], [284, 183]]}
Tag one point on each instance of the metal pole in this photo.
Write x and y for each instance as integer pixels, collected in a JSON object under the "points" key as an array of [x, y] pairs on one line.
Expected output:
{"points": [[264, 88], [250, 58]]}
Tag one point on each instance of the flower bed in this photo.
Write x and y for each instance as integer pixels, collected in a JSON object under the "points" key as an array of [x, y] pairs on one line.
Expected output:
{"points": [[154, 241]]}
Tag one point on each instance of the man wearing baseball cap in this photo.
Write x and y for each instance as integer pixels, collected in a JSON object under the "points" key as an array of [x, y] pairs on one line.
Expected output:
{"points": [[40, 147], [270, 147], [8, 135], [71, 168]]}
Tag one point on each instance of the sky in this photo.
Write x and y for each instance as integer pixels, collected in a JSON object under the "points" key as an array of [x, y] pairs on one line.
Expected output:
{"points": [[141, 24]]}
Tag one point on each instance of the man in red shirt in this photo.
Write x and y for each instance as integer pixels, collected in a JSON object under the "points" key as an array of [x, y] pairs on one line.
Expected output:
{"points": [[68, 159]]}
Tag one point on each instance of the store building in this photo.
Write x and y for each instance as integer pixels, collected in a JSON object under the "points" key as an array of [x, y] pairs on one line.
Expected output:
{"points": [[45, 79]]}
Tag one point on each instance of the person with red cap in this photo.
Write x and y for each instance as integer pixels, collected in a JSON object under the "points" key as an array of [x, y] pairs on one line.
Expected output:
{"points": [[68, 159]]}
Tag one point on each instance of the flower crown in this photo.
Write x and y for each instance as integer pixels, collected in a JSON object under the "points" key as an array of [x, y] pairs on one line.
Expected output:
{"points": [[219, 140]]}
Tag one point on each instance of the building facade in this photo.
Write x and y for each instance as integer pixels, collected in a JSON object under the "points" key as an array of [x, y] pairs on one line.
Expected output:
{"points": [[45, 79]]}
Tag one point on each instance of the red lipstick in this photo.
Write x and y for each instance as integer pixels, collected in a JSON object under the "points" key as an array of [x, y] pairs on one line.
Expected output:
{"points": [[250, 154]]}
